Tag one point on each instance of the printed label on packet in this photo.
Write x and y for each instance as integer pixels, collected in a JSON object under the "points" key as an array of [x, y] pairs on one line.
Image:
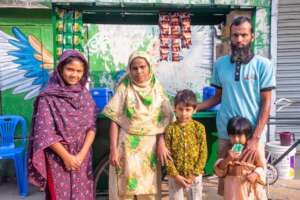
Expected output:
{"points": [[237, 148]]}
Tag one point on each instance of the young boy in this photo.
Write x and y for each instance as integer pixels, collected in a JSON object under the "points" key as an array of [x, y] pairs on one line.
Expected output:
{"points": [[186, 140]]}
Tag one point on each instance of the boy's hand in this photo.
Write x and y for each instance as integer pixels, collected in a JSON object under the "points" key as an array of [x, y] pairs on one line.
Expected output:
{"points": [[114, 159], [182, 181], [252, 177], [191, 179]]}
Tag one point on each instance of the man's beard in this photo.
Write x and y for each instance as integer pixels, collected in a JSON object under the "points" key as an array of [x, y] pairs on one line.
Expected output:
{"points": [[241, 54]]}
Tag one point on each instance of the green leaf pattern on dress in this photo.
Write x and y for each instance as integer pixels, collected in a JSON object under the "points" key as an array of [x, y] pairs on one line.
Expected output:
{"points": [[134, 141], [132, 183], [153, 160]]}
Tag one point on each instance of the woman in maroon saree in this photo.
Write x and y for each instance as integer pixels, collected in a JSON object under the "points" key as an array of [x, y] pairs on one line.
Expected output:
{"points": [[63, 129]]}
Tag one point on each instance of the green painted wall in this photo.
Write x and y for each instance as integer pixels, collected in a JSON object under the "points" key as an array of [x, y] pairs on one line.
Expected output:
{"points": [[33, 22]]}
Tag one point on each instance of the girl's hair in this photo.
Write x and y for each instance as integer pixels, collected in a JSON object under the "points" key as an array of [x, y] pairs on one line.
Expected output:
{"points": [[238, 126], [187, 97]]}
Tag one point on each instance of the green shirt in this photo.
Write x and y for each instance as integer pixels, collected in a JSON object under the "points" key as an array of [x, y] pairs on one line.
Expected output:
{"points": [[188, 148]]}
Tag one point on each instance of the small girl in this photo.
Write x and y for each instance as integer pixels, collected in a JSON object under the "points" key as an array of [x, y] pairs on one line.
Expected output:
{"points": [[244, 175]]}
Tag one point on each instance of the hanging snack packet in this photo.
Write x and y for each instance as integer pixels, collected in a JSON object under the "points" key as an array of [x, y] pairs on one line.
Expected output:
{"points": [[164, 24], [59, 50], [59, 39], [68, 39], [77, 39], [60, 25], [164, 54], [60, 13], [175, 25], [186, 30]]}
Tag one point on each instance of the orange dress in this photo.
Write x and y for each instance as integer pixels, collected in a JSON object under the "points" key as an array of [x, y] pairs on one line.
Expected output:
{"points": [[236, 184]]}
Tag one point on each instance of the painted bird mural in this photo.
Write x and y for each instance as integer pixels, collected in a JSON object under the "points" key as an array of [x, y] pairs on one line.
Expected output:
{"points": [[25, 65]]}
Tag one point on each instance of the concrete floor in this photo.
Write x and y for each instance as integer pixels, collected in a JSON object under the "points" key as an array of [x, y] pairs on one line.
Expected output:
{"points": [[281, 190]]}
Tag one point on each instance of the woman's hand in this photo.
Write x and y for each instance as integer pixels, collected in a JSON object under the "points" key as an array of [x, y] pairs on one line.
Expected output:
{"points": [[182, 181], [162, 151], [114, 159], [71, 163]]}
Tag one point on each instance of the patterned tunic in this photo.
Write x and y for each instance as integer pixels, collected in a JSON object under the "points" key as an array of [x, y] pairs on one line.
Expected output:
{"points": [[188, 148], [62, 114], [236, 184], [141, 113]]}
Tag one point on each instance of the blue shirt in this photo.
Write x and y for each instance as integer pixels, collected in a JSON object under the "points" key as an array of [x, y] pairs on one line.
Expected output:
{"points": [[241, 97]]}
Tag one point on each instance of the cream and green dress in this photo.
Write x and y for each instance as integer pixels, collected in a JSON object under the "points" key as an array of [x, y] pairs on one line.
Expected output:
{"points": [[142, 112]]}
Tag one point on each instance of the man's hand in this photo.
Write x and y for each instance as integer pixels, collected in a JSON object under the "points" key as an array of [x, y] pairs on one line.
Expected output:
{"points": [[252, 177], [231, 156], [252, 145]]}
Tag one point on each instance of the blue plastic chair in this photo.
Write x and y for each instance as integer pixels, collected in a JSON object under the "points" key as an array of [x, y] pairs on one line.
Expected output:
{"points": [[8, 149]]}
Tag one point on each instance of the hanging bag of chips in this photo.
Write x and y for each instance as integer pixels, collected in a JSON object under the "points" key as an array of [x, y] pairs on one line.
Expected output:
{"points": [[186, 30], [175, 34], [164, 36]]}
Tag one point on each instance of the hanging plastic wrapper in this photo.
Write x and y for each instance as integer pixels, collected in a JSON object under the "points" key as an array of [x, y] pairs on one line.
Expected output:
{"points": [[68, 30], [175, 34], [176, 49], [186, 30], [165, 31]]}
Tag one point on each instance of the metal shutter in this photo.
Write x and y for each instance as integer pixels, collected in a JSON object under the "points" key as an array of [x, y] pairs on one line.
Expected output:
{"points": [[288, 64]]}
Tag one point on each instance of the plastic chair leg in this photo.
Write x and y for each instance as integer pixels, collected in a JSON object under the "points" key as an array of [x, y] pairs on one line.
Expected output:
{"points": [[24, 192], [18, 167]]}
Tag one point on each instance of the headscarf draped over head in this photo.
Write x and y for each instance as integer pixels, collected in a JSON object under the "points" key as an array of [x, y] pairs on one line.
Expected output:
{"points": [[140, 109], [56, 83], [62, 113], [132, 57]]}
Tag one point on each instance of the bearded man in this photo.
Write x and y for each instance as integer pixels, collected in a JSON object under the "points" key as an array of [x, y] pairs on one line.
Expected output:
{"points": [[244, 84]]}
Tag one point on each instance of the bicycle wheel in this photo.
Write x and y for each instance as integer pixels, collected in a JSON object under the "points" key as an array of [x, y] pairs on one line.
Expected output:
{"points": [[272, 174], [101, 177]]}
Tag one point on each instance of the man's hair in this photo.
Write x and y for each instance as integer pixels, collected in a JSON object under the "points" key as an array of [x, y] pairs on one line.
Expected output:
{"points": [[239, 126], [187, 97], [240, 20]]}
